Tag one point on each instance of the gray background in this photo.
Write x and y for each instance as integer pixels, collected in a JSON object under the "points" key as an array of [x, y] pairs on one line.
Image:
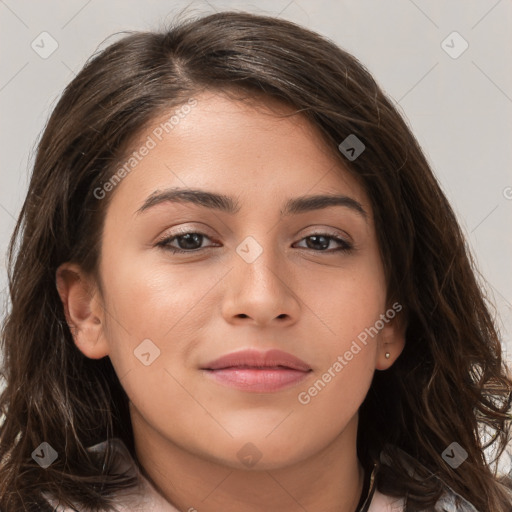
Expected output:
{"points": [[459, 108]]}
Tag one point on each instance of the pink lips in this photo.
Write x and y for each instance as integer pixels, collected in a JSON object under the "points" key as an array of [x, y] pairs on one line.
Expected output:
{"points": [[260, 372]]}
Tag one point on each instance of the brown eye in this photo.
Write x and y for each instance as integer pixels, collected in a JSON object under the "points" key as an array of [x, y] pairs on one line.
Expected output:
{"points": [[187, 242], [320, 242], [191, 241]]}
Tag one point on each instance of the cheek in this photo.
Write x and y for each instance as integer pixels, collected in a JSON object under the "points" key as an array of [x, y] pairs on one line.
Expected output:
{"points": [[152, 297], [348, 305], [154, 314], [349, 312], [331, 401], [345, 303], [167, 304]]}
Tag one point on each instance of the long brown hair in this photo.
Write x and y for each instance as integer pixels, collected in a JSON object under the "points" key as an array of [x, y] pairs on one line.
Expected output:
{"points": [[449, 384]]}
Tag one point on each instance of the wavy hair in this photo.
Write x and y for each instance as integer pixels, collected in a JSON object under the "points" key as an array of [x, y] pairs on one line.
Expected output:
{"points": [[450, 382]]}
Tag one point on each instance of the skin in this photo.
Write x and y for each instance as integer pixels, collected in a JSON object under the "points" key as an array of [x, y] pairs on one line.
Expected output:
{"points": [[195, 307]]}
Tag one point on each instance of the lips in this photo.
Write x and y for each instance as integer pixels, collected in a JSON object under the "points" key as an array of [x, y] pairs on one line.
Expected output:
{"points": [[255, 371], [256, 359]]}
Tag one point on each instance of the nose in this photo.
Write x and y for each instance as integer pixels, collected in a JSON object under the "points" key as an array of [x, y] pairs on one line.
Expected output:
{"points": [[260, 292]]}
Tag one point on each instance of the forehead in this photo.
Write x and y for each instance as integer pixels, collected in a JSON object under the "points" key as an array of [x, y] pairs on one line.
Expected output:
{"points": [[252, 149]]}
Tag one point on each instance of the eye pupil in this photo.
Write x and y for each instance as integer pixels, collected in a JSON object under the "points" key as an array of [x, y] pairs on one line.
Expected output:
{"points": [[194, 237], [316, 238]]}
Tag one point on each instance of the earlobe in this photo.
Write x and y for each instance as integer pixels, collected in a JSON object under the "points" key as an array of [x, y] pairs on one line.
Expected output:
{"points": [[391, 343], [83, 310]]}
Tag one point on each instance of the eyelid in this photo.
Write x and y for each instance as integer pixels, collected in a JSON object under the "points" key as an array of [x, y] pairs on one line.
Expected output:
{"points": [[180, 230], [334, 232], [346, 245], [344, 240]]}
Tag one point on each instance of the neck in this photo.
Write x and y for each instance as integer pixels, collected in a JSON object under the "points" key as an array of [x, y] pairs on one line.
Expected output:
{"points": [[330, 480]]}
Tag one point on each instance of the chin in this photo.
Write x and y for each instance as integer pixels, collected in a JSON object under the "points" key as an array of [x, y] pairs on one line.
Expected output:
{"points": [[260, 455]]}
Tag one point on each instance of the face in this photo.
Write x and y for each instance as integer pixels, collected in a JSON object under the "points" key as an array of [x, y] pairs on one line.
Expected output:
{"points": [[252, 274]]}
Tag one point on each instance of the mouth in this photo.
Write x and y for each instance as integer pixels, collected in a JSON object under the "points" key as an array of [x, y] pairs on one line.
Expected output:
{"points": [[259, 372]]}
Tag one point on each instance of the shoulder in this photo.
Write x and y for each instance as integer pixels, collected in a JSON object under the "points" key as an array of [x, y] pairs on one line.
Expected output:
{"points": [[449, 501], [383, 503], [141, 498]]}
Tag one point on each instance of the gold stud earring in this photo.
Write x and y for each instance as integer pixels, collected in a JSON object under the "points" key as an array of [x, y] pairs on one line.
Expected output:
{"points": [[387, 355]]}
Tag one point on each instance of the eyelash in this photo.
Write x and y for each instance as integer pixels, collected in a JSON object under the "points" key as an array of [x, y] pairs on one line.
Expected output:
{"points": [[165, 243]]}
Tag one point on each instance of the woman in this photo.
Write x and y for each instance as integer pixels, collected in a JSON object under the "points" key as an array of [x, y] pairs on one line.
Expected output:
{"points": [[237, 285]]}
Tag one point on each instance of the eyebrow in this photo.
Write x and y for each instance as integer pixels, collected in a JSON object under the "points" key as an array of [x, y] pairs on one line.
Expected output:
{"points": [[230, 205]]}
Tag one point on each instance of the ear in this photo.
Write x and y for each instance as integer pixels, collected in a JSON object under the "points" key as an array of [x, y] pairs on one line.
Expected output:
{"points": [[83, 309], [391, 339]]}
